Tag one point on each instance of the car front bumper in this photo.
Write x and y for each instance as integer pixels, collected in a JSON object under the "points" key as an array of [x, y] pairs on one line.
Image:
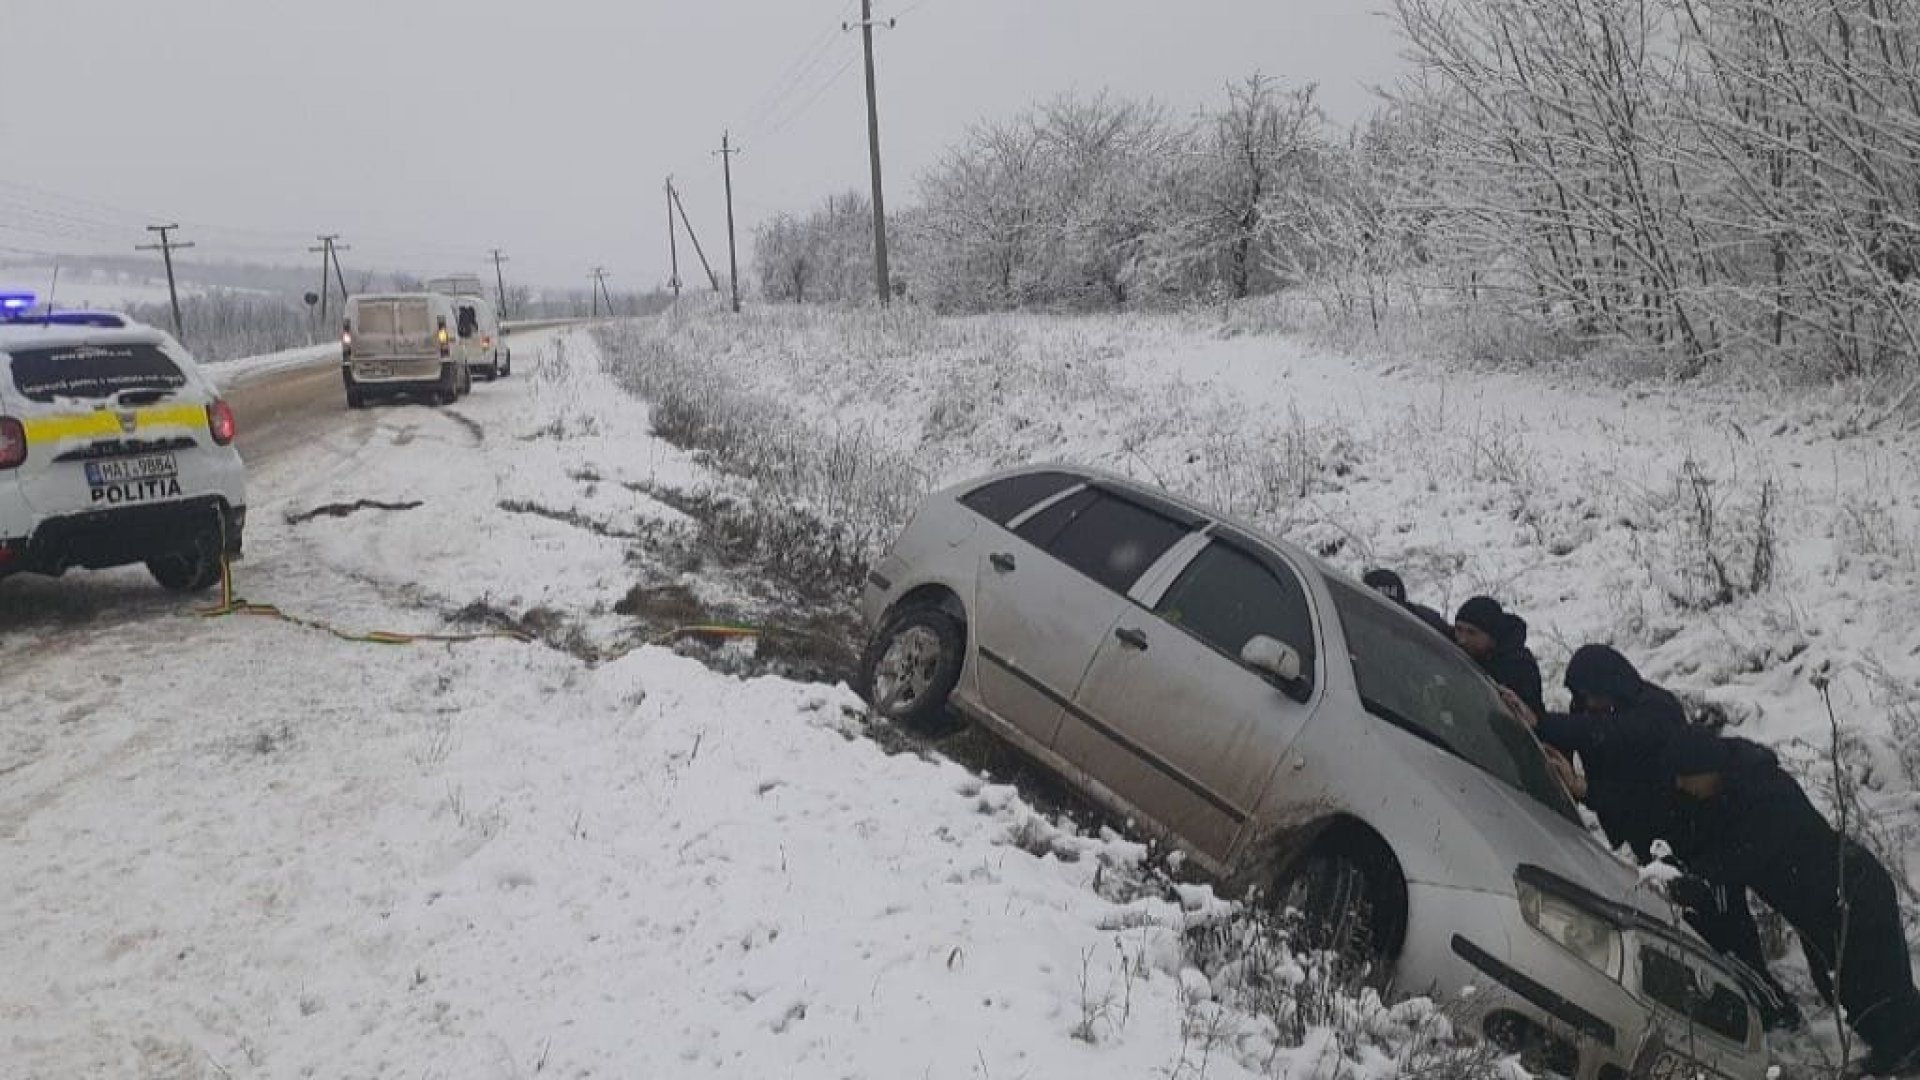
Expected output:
{"points": [[1523, 984]]}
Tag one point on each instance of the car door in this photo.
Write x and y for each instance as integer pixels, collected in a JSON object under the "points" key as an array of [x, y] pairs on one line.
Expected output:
{"points": [[1169, 719], [1049, 592]]}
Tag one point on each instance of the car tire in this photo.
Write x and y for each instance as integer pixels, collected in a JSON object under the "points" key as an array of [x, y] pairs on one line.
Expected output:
{"points": [[447, 391], [195, 568], [1348, 902], [356, 398], [506, 366], [911, 666]]}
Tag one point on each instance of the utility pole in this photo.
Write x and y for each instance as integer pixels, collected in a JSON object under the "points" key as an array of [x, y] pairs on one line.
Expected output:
{"points": [[695, 237], [673, 245], [325, 251], [882, 276], [500, 280], [727, 150], [335, 250], [599, 276], [166, 248]]}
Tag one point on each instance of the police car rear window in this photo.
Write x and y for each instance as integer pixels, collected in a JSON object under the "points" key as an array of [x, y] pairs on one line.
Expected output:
{"points": [[93, 371]]}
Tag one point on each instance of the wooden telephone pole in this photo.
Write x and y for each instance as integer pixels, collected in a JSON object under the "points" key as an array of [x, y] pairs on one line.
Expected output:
{"points": [[166, 248], [726, 152], [500, 280], [680, 203], [673, 245], [329, 256], [882, 275]]}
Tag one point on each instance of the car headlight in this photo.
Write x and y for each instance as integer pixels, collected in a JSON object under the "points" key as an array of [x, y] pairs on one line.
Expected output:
{"points": [[1586, 935]]}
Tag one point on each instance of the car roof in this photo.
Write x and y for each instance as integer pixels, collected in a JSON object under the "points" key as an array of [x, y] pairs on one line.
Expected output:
{"points": [[41, 334], [1152, 493]]}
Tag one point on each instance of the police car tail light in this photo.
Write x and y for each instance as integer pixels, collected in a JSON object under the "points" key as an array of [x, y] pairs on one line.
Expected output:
{"points": [[220, 422], [13, 443]]}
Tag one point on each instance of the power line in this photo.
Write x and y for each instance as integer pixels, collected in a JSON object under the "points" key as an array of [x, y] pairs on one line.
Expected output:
{"points": [[800, 110]]}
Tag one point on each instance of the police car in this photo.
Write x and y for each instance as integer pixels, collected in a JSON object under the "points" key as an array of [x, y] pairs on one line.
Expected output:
{"points": [[114, 450]]}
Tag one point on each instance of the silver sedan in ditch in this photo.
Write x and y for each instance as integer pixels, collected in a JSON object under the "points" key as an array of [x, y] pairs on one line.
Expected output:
{"points": [[1302, 739]]}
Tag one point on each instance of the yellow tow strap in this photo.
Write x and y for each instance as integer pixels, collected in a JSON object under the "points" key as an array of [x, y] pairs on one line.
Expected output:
{"points": [[233, 605]]}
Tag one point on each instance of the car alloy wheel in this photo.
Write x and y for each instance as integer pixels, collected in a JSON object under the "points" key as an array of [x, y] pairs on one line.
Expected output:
{"points": [[912, 665], [906, 671]]}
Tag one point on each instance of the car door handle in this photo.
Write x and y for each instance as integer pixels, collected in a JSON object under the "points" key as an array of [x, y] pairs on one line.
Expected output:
{"points": [[1002, 562], [1131, 638]]}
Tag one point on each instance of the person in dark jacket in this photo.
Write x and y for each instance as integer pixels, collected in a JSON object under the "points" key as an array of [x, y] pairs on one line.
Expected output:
{"points": [[1747, 824], [1497, 641], [1388, 584], [1625, 731]]}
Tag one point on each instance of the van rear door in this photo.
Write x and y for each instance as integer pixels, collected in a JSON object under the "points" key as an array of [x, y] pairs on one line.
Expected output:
{"points": [[398, 327]]}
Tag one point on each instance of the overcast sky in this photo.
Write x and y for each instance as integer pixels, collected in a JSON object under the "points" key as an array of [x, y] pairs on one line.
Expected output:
{"points": [[428, 132]]}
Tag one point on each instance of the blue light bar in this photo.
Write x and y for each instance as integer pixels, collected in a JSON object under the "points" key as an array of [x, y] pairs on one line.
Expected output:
{"points": [[14, 302]]}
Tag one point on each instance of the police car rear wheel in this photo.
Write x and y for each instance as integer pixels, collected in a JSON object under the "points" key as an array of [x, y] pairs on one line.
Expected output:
{"points": [[193, 569]]}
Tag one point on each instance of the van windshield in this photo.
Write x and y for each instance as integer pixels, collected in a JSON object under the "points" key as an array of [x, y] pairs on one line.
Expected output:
{"points": [[94, 371], [1414, 679], [393, 318]]}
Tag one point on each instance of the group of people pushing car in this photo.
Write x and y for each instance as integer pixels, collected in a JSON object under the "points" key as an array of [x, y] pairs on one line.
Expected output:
{"points": [[1732, 819]]}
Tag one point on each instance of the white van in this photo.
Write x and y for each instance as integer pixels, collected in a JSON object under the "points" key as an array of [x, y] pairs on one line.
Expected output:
{"points": [[114, 450], [478, 333], [403, 343], [477, 337]]}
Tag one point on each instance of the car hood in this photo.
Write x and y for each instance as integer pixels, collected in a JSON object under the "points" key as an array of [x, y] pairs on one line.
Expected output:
{"points": [[1505, 828]]}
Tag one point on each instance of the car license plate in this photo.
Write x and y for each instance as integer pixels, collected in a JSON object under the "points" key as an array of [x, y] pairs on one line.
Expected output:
{"points": [[377, 371], [131, 470]]}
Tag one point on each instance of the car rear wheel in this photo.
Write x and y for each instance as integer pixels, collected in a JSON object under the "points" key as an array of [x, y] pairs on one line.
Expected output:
{"points": [[912, 665], [193, 568], [506, 365]]}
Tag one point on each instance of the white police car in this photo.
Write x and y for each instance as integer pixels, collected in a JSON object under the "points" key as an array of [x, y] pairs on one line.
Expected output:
{"points": [[114, 450]]}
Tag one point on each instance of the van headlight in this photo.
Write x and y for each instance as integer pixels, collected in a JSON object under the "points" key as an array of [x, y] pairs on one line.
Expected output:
{"points": [[1586, 935]]}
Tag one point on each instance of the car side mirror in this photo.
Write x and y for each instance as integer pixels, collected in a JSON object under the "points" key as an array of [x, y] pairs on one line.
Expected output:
{"points": [[1278, 661]]}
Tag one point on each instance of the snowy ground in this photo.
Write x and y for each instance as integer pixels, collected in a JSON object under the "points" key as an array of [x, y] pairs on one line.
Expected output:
{"points": [[1727, 541], [238, 847]]}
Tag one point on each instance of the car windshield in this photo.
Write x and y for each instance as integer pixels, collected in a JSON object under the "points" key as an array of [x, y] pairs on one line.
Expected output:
{"points": [[95, 371], [1412, 678]]}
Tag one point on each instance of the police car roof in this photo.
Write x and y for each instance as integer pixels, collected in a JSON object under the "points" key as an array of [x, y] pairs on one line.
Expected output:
{"points": [[74, 328]]}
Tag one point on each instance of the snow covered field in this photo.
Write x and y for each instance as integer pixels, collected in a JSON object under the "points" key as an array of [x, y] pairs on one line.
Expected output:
{"points": [[237, 847]]}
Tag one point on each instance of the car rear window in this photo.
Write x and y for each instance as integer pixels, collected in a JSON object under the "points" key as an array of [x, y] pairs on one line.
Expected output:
{"points": [[94, 371], [1111, 540], [1004, 500]]}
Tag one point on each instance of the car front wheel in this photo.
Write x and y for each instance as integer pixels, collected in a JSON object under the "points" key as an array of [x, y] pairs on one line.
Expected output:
{"points": [[1345, 905], [912, 665]]}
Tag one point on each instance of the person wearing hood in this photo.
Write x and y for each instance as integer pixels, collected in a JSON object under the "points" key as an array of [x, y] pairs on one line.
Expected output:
{"points": [[1748, 824], [1388, 584], [1628, 733], [1497, 641]]}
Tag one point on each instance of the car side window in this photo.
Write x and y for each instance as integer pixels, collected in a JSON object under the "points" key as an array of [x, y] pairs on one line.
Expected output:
{"points": [[1227, 596], [1109, 539], [1004, 500]]}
